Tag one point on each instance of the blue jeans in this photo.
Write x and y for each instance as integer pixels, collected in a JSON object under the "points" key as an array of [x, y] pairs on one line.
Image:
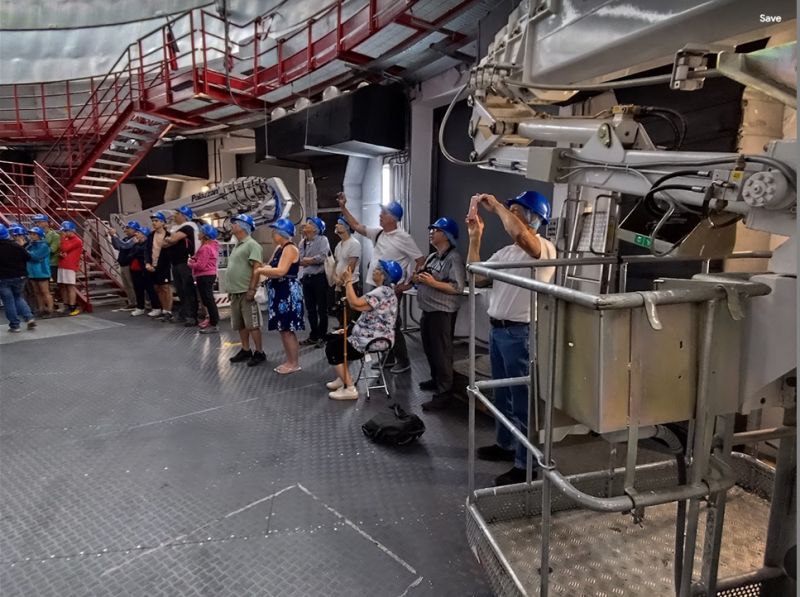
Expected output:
{"points": [[508, 352], [15, 306]]}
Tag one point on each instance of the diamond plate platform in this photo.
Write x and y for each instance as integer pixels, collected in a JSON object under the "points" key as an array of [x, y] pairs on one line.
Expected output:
{"points": [[607, 555], [135, 460]]}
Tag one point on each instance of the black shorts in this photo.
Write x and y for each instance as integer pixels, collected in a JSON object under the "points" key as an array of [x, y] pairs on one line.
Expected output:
{"points": [[334, 350], [161, 275]]}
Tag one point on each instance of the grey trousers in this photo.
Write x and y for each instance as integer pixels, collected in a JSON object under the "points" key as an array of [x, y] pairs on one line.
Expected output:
{"points": [[437, 329], [127, 283]]}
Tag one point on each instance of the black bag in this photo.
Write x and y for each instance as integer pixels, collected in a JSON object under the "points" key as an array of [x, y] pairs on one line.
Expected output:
{"points": [[395, 428]]}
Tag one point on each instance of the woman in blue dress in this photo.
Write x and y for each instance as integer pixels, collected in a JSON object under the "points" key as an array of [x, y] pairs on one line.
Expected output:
{"points": [[285, 294]]}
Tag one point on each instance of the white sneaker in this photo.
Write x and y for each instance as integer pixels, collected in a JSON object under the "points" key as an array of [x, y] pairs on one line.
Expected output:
{"points": [[155, 313], [350, 393], [137, 312], [335, 384]]}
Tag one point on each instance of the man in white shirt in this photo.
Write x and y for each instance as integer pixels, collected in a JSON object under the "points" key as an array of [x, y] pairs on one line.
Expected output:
{"points": [[509, 316], [391, 243], [347, 255]]}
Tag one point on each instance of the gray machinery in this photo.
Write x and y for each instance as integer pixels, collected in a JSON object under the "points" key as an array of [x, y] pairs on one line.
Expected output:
{"points": [[663, 370], [265, 199]]}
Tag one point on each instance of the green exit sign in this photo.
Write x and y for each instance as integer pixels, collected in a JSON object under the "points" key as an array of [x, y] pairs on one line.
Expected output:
{"points": [[643, 241]]}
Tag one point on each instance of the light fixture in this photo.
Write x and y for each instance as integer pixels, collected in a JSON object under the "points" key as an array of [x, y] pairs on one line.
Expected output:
{"points": [[205, 188], [278, 113], [330, 92], [302, 103], [386, 184]]}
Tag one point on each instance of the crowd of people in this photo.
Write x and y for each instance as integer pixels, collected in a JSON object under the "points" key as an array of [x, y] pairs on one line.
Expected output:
{"points": [[32, 259], [297, 279]]}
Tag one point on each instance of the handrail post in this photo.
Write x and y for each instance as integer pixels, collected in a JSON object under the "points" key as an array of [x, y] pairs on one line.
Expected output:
{"points": [[310, 49], [255, 52], [44, 108], [69, 102], [205, 50], [194, 58], [338, 26]]}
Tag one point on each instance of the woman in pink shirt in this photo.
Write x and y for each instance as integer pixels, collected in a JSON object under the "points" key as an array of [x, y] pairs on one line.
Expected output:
{"points": [[204, 270]]}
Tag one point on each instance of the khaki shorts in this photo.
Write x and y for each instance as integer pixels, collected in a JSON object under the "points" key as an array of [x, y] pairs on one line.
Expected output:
{"points": [[66, 276], [245, 315]]}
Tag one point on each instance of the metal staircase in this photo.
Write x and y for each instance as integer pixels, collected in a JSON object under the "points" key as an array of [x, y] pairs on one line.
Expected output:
{"points": [[91, 180], [28, 189]]}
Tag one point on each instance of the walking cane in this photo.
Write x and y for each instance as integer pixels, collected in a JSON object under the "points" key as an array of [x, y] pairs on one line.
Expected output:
{"points": [[344, 322]]}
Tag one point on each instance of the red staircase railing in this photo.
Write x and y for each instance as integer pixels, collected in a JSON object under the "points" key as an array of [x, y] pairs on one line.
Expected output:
{"points": [[28, 189], [199, 56]]}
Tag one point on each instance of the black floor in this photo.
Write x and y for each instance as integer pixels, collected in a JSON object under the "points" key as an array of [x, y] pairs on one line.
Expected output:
{"points": [[136, 461]]}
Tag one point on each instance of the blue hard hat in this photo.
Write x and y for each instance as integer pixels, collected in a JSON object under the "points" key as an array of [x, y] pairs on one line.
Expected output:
{"points": [[4, 235], [448, 226], [40, 218], [133, 224], [186, 210], [392, 269], [67, 226], [159, 215], [17, 230], [209, 231], [394, 209], [284, 227], [37, 231], [533, 202], [318, 224], [244, 219], [145, 230], [345, 223]]}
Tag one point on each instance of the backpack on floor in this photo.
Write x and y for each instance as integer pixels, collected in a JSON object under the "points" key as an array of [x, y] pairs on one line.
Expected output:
{"points": [[394, 428]]}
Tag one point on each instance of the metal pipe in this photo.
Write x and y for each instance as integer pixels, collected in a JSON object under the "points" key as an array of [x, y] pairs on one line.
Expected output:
{"points": [[544, 572], [532, 397], [566, 130], [498, 552], [630, 300], [701, 440], [633, 259], [760, 575], [506, 382], [575, 479], [471, 396], [762, 435], [560, 262]]}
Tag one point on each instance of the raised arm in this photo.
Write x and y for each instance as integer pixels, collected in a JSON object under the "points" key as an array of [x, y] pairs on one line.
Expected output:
{"points": [[523, 235], [475, 229], [358, 303], [351, 219]]}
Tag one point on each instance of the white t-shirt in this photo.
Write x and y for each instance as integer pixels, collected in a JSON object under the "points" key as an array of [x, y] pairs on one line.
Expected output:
{"points": [[396, 245], [513, 303], [344, 252]]}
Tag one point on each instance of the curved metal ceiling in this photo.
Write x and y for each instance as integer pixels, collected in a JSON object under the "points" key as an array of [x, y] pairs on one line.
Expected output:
{"points": [[52, 40]]}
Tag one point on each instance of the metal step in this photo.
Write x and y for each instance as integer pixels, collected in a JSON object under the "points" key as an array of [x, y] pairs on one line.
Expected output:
{"points": [[74, 194], [151, 118], [99, 179], [112, 162], [119, 154], [128, 135], [106, 171], [108, 301], [144, 127], [89, 186]]}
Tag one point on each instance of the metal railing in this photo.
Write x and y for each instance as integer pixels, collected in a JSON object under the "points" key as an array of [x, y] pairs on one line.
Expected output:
{"points": [[198, 52], [28, 189], [710, 474]]}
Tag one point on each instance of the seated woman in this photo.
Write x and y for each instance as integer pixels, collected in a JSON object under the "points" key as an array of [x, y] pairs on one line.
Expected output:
{"points": [[379, 310]]}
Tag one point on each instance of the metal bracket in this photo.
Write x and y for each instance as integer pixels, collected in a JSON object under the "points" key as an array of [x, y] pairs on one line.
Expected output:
{"points": [[734, 302], [651, 311]]}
